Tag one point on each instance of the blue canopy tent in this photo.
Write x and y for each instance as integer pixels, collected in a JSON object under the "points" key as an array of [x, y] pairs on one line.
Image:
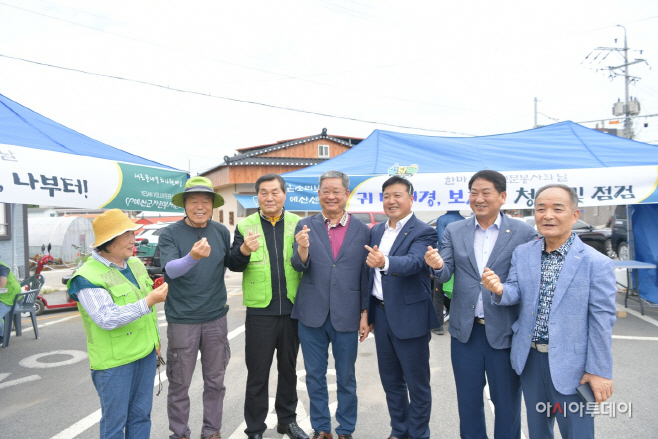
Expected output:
{"points": [[43, 162], [604, 170]]}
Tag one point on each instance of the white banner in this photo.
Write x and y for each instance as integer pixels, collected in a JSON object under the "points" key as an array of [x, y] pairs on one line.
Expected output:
{"points": [[449, 191], [34, 176]]}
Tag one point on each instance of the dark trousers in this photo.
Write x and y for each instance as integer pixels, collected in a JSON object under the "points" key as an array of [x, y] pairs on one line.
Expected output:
{"points": [[438, 298], [315, 348], [404, 368], [538, 392], [470, 362], [264, 334]]}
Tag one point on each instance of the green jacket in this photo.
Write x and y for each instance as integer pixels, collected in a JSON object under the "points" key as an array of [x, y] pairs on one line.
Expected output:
{"points": [[13, 288], [127, 343], [257, 277]]}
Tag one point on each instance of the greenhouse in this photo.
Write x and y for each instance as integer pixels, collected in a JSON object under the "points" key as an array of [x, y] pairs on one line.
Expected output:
{"points": [[69, 236]]}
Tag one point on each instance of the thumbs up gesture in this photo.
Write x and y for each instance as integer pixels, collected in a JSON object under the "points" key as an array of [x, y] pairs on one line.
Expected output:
{"points": [[491, 282], [376, 258], [302, 237], [250, 243]]}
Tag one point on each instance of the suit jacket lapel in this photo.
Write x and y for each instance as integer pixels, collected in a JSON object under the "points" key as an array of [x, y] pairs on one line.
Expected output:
{"points": [[403, 234], [321, 231], [569, 270], [349, 235], [376, 234], [502, 240], [468, 233], [533, 265]]}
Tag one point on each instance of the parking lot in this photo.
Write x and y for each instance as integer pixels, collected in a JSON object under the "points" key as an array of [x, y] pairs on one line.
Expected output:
{"points": [[46, 389]]}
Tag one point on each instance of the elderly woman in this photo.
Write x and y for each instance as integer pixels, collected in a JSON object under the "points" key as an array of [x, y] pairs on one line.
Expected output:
{"points": [[116, 302]]}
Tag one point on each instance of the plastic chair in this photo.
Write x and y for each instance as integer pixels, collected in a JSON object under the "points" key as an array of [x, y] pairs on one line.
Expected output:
{"points": [[23, 302]]}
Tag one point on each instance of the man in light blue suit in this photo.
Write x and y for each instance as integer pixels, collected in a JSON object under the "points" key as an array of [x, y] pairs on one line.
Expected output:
{"points": [[482, 332], [401, 310], [563, 337], [331, 302]]}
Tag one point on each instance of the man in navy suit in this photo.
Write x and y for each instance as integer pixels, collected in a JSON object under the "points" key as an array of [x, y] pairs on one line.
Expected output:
{"points": [[401, 310], [482, 332], [331, 302], [563, 337]]}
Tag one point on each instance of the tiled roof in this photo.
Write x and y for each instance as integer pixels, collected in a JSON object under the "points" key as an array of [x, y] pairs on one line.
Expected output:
{"points": [[278, 161]]}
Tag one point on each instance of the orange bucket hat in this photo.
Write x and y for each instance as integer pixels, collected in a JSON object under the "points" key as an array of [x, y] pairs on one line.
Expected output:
{"points": [[111, 224]]}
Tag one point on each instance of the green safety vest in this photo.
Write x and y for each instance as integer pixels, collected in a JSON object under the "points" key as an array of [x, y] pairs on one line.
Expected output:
{"points": [[257, 277], [126, 343], [13, 288]]}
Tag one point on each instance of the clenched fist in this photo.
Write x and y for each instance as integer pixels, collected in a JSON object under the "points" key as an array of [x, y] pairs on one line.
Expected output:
{"points": [[157, 295], [201, 249], [433, 258], [250, 243], [491, 282], [302, 237]]}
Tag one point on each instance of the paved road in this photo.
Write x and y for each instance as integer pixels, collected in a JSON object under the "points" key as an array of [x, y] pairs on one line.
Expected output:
{"points": [[52, 396]]}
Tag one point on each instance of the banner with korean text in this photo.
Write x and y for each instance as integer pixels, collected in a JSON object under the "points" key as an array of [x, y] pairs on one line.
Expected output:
{"points": [[32, 176], [449, 191]]}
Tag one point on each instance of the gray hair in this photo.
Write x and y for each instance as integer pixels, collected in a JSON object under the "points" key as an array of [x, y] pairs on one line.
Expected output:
{"points": [[570, 190], [336, 174]]}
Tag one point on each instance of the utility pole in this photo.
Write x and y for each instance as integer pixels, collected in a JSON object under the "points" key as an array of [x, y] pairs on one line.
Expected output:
{"points": [[627, 120], [629, 107]]}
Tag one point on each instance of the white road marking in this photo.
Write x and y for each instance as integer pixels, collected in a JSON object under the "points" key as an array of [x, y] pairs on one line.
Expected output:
{"points": [[32, 362], [18, 381], [491, 404], [31, 328], [630, 337], [79, 426], [95, 417], [637, 314]]}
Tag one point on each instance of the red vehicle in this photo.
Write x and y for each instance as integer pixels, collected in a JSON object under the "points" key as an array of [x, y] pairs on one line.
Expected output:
{"points": [[41, 304], [370, 218]]}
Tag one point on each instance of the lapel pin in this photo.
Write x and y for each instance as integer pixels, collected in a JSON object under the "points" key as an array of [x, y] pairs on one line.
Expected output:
{"points": [[507, 231], [405, 233]]}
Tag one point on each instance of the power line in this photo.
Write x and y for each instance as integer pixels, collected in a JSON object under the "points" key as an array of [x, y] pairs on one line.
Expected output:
{"points": [[243, 101]]}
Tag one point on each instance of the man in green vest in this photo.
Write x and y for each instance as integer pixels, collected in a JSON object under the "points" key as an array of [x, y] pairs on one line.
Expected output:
{"points": [[262, 249], [117, 306], [9, 282]]}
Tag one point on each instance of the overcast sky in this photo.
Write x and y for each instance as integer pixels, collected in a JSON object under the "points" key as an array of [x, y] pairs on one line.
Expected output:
{"points": [[433, 67]]}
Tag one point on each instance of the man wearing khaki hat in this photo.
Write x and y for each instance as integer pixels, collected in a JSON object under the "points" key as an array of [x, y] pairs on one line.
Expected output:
{"points": [[116, 303], [194, 253]]}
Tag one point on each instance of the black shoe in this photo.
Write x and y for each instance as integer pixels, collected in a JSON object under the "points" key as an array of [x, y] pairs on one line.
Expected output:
{"points": [[256, 436], [438, 331], [292, 430]]}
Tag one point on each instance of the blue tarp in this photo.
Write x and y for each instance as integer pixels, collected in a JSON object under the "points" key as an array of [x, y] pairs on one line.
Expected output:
{"points": [[23, 127], [247, 201], [46, 163], [564, 145], [645, 230]]}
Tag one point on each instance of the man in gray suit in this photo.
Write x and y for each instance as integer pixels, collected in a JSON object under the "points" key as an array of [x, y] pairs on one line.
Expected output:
{"points": [[331, 302], [482, 332], [563, 337]]}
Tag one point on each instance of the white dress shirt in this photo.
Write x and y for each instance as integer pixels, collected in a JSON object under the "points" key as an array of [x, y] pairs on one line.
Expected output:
{"points": [[483, 244], [388, 238]]}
